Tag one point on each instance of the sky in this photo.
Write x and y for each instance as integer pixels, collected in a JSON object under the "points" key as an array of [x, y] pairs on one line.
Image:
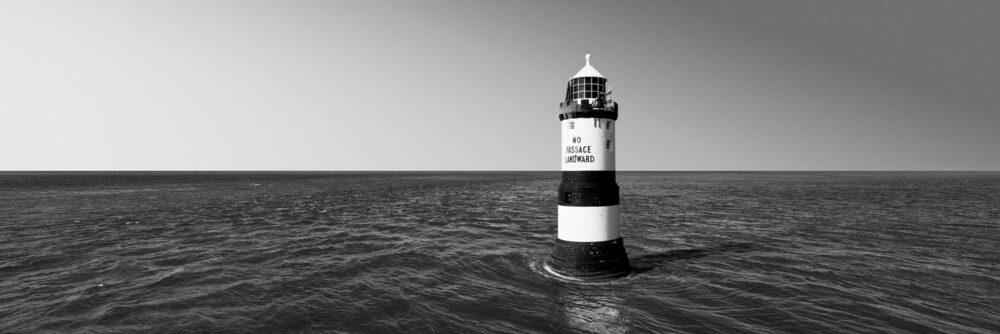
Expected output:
{"points": [[476, 85]]}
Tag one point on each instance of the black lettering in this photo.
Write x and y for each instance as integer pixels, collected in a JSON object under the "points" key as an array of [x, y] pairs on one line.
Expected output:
{"points": [[579, 158]]}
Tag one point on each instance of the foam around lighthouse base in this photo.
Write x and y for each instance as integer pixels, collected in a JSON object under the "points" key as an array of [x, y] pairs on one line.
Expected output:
{"points": [[599, 260]]}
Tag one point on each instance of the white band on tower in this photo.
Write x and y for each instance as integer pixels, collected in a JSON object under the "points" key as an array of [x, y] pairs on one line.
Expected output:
{"points": [[588, 223]]}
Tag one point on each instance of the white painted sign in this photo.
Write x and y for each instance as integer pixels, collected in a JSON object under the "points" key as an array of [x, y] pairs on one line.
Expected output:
{"points": [[588, 144]]}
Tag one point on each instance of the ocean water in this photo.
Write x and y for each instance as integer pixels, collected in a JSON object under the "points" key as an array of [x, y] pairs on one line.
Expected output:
{"points": [[717, 252]]}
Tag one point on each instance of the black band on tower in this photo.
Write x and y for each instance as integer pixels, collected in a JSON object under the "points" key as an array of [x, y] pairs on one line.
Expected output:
{"points": [[589, 114], [589, 176], [603, 259], [597, 195], [588, 188]]}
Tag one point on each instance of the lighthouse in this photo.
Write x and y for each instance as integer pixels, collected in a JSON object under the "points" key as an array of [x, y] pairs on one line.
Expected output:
{"points": [[588, 245]]}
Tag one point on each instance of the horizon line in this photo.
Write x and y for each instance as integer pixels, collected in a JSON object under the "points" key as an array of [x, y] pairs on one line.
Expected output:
{"points": [[484, 171]]}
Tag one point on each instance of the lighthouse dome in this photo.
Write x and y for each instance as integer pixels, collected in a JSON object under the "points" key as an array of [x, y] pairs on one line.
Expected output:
{"points": [[587, 70]]}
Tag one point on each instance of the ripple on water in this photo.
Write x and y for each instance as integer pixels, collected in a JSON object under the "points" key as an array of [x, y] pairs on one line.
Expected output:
{"points": [[300, 252]]}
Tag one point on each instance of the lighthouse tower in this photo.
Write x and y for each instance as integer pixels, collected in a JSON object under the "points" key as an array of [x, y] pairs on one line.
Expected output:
{"points": [[588, 245]]}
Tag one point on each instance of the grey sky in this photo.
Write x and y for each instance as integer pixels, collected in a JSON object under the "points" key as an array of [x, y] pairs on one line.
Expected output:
{"points": [[464, 85]]}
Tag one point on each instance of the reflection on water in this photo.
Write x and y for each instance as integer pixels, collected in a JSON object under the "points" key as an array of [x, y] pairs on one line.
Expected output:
{"points": [[598, 306], [594, 311]]}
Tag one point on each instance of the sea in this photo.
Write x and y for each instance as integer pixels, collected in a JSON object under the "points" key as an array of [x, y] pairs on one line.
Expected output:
{"points": [[465, 252]]}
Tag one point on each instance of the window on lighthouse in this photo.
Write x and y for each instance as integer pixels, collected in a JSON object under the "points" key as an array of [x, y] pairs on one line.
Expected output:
{"points": [[587, 87]]}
